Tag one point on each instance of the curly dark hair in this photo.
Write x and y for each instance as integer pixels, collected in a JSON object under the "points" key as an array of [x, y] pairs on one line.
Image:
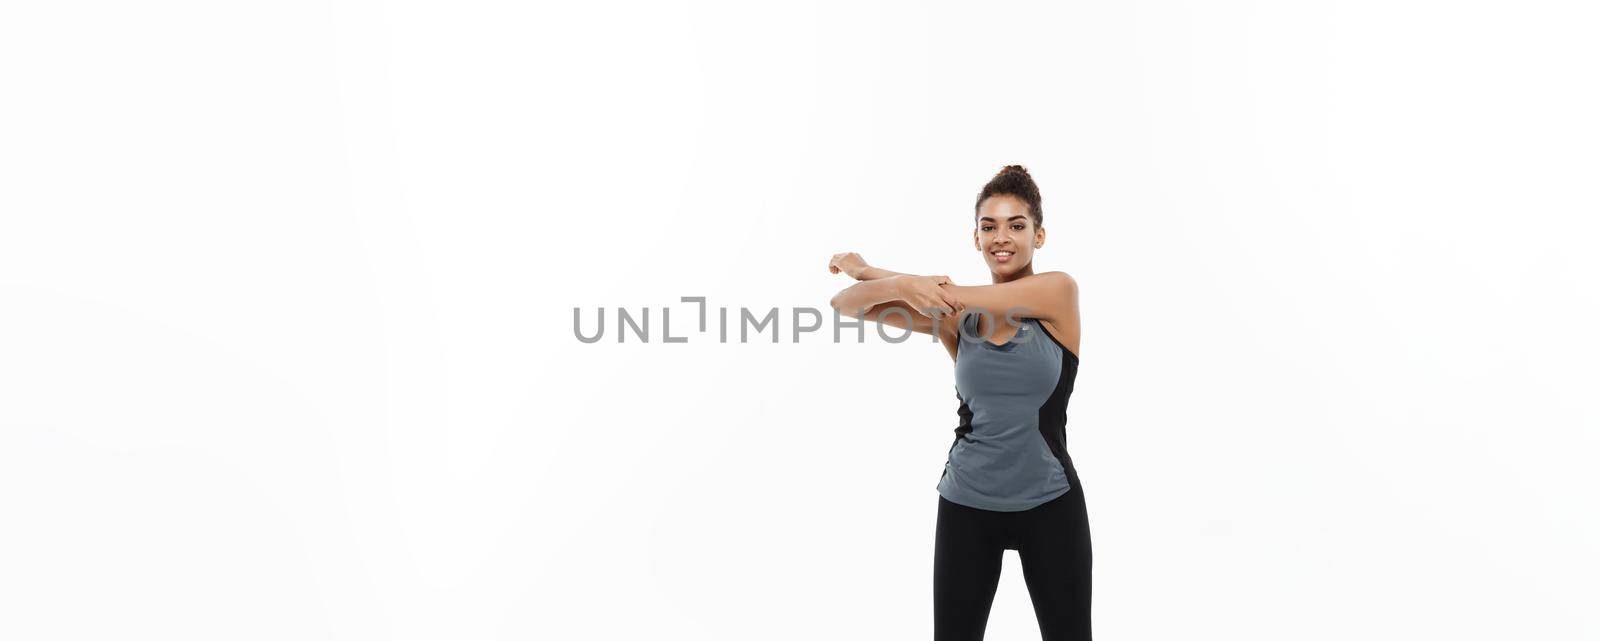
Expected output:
{"points": [[1013, 180]]}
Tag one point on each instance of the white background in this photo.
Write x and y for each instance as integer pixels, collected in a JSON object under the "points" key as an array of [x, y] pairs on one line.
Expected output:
{"points": [[287, 294]]}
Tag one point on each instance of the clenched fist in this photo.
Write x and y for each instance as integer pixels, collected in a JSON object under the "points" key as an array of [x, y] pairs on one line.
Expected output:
{"points": [[850, 263]]}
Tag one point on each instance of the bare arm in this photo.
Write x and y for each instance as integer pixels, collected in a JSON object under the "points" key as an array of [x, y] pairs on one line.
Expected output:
{"points": [[908, 302], [856, 299], [875, 273], [853, 265], [1052, 296], [882, 295]]}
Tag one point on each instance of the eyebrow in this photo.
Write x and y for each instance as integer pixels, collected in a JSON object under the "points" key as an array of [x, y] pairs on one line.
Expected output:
{"points": [[1007, 220]]}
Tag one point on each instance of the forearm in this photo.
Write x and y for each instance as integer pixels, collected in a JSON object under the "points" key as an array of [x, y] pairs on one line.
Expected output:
{"points": [[866, 294], [875, 273]]}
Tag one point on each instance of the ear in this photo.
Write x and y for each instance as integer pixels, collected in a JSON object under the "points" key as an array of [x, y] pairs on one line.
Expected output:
{"points": [[1038, 238], [975, 244]]}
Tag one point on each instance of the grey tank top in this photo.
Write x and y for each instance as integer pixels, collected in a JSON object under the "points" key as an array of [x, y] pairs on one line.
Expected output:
{"points": [[1010, 450]]}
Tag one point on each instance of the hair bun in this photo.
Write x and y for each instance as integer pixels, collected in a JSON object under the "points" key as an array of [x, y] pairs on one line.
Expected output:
{"points": [[1013, 180]]}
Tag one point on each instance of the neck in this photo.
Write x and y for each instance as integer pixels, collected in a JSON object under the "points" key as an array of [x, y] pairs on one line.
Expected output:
{"points": [[1002, 278]]}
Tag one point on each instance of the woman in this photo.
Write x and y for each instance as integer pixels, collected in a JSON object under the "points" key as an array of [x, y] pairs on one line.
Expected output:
{"points": [[1008, 482]]}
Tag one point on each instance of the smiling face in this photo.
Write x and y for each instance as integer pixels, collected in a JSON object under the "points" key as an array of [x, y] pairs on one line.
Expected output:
{"points": [[1007, 236]]}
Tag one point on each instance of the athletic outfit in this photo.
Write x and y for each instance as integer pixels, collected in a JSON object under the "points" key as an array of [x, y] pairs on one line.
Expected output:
{"points": [[1009, 484]]}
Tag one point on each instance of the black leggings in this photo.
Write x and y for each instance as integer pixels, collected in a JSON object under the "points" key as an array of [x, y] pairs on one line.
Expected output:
{"points": [[1052, 540]]}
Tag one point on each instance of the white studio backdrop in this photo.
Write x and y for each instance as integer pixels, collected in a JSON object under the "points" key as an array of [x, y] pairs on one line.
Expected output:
{"points": [[287, 295]]}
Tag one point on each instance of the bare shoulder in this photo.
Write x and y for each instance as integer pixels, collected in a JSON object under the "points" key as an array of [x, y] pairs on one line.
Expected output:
{"points": [[1061, 279], [1065, 294]]}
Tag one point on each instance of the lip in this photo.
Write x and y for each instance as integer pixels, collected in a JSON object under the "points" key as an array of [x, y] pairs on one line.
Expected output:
{"points": [[1003, 258]]}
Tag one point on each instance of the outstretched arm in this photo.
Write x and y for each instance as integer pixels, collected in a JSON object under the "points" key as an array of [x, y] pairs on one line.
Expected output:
{"points": [[899, 300], [935, 319], [919, 294], [1052, 296], [856, 267], [875, 273]]}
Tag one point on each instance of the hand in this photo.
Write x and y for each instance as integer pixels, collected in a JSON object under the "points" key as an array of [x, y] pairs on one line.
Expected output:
{"points": [[850, 263], [924, 294]]}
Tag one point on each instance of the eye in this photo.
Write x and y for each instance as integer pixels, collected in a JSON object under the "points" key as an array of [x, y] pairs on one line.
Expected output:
{"points": [[1018, 226], [987, 227]]}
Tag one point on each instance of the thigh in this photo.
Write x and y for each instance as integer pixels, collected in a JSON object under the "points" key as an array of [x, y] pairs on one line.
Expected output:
{"points": [[967, 552], [1053, 545]]}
